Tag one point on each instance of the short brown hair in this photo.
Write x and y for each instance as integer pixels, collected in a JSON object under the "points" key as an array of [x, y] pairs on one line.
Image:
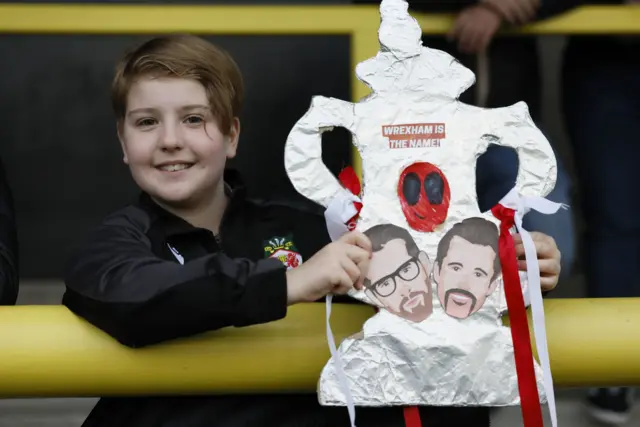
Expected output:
{"points": [[477, 231], [188, 57]]}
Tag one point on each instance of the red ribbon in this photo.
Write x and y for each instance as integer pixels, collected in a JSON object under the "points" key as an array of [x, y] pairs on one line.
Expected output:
{"points": [[529, 398], [412, 417], [349, 180], [411, 413]]}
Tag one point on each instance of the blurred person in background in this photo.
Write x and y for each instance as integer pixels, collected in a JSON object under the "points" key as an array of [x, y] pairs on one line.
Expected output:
{"points": [[507, 69], [601, 85], [8, 244]]}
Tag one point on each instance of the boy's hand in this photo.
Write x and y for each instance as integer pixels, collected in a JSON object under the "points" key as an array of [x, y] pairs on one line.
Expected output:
{"points": [[337, 268], [548, 258], [515, 12], [474, 29]]}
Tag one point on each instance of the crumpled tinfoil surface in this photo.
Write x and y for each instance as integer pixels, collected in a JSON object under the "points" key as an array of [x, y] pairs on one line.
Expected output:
{"points": [[442, 360]]}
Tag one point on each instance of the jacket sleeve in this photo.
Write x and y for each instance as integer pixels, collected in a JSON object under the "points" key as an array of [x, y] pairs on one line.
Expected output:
{"points": [[119, 285], [9, 277]]}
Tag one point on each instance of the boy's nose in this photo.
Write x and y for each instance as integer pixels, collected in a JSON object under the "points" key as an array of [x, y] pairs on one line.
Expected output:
{"points": [[170, 139]]}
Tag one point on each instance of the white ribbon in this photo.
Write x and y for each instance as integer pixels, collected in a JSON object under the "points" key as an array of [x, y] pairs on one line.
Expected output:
{"points": [[522, 205], [337, 214], [337, 362]]}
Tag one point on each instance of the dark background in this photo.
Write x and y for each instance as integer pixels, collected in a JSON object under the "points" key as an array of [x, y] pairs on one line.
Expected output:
{"points": [[58, 138]]}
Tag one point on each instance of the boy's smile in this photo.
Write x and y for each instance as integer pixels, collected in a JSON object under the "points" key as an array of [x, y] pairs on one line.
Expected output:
{"points": [[173, 166], [174, 170]]}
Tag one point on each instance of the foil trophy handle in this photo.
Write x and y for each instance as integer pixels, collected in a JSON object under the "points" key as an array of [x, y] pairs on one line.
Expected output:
{"points": [[537, 171], [303, 149]]}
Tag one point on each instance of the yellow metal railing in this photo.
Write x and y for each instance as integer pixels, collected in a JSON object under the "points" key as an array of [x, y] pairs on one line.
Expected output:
{"points": [[46, 351]]}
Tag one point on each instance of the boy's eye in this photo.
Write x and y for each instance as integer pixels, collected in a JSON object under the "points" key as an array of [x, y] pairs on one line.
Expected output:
{"points": [[194, 120], [146, 122]]}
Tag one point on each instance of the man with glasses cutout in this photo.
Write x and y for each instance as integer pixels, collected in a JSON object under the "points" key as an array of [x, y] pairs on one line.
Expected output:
{"points": [[398, 276]]}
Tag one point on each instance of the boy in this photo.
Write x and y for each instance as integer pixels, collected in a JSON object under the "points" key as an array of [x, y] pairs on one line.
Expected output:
{"points": [[188, 257]]}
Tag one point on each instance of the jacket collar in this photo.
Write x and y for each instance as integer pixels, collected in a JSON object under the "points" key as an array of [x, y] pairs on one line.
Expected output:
{"points": [[174, 225]]}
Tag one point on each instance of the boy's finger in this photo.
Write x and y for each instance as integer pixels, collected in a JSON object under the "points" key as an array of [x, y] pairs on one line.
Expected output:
{"points": [[364, 268], [522, 265], [357, 254], [351, 269], [344, 284], [548, 283], [549, 267], [357, 239]]}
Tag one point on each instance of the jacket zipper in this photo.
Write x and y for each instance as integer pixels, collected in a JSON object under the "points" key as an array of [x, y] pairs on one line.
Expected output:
{"points": [[218, 240], [230, 206]]}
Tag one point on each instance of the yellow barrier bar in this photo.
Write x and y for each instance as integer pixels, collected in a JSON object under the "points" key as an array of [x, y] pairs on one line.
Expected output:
{"points": [[47, 351], [594, 342], [135, 19]]}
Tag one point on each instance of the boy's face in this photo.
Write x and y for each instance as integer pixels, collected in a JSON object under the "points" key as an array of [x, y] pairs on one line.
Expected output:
{"points": [[172, 143]]}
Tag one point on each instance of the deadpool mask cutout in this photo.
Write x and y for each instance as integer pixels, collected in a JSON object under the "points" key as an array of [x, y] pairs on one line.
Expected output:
{"points": [[424, 195]]}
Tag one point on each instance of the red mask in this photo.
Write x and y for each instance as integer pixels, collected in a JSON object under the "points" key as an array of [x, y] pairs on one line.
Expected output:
{"points": [[424, 195]]}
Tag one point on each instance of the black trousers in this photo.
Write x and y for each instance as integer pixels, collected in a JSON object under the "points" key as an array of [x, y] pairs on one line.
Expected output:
{"points": [[295, 410]]}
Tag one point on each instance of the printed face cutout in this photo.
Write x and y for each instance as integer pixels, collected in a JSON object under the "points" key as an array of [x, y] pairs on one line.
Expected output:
{"points": [[398, 276], [465, 270], [467, 266], [424, 196]]}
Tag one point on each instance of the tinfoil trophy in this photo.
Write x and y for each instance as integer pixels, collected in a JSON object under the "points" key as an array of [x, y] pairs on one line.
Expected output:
{"points": [[436, 273]]}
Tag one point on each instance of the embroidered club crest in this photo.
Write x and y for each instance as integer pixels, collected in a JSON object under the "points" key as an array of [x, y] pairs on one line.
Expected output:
{"points": [[283, 249]]}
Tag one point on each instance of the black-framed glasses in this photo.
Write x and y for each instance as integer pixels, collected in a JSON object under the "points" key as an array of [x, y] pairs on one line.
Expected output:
{"points": [[387, 285]]}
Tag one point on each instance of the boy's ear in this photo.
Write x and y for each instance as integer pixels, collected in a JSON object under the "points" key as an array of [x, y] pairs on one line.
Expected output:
{"points": [[232, 139], [119, 129]]}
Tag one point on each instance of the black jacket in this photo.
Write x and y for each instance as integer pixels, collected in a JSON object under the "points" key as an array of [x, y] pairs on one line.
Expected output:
{"points": [[8, 244], [128, 281]]}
